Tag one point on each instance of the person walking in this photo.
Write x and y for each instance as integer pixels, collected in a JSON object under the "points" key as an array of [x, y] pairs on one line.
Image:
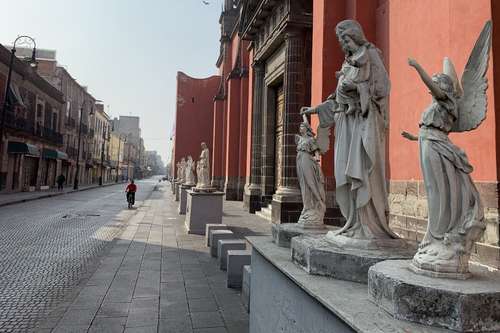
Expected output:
{"points": [[60, 182]]}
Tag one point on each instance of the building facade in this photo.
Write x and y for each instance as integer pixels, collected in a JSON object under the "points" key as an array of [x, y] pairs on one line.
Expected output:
{"points": [[289, 51], [194, 111], [31, 153]]}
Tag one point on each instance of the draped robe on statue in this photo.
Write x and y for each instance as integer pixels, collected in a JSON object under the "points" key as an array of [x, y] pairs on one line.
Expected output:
{"points": [[359, 162]]}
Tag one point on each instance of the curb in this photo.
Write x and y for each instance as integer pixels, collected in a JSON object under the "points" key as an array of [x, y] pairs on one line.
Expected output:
{"points": [[56, 194]]}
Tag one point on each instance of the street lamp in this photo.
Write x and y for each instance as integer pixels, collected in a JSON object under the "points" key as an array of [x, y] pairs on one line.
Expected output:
{"points": [[75, 183], [6, 104]]}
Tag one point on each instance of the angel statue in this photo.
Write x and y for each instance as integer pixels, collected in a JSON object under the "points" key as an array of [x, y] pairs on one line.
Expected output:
{"points": [[179, 170], [360, 130], [311, 180], [203, 169], [456, 216], [182, 174], [189, 172]]}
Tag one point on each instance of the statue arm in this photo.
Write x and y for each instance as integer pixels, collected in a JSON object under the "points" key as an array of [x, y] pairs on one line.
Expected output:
{"points": [[434, 89]]}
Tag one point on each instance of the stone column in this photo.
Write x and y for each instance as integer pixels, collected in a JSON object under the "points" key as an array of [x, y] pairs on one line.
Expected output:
{"points": [[252, 197], [287, 201]]}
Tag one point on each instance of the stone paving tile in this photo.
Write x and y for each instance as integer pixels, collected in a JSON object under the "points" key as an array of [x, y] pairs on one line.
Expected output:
{"points": [[157, 278]]}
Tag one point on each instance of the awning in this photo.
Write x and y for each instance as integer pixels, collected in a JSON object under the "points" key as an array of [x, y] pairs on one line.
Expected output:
{"points": [[54, 154], [15, 147]]}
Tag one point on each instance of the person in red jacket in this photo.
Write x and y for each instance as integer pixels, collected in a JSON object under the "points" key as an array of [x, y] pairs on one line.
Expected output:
{"points": [[130, 190]]}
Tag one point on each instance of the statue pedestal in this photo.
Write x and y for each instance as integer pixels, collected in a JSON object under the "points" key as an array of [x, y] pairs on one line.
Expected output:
{"points": [[284, 298], [183, 198], [472, 305], [283, 233], [177, 191], [203, 208], [322, 256]]}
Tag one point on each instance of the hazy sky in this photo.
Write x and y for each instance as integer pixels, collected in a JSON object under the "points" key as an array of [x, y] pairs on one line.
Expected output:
{"points": [[127, 52]]}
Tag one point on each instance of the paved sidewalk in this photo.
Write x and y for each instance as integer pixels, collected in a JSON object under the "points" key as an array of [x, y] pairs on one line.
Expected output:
{"points": [[157, 278], [17, 197]]}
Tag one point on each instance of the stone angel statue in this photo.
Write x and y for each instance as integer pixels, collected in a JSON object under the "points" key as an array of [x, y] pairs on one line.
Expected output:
{"points": [[182, 174], [179, 171], [456, 217], [189, 172], [311, 179], [203, 169]]}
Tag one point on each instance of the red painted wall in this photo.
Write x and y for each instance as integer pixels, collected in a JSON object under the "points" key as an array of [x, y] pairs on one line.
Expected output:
{"points": [[402, 29], [194, 114], [449, 29]]}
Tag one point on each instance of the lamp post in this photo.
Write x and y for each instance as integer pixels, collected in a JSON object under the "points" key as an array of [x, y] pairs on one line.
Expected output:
{"points": [[6, 102], [75, 183]]}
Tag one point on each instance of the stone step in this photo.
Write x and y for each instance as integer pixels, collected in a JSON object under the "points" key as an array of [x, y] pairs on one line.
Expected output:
{"points": [[215, 236], [245, 287], [266, 213], [226, 245], [236, 260], [213, 226]]}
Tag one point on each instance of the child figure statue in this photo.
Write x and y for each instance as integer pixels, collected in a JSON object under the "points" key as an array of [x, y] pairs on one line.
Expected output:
{"points": [[353, 84]]}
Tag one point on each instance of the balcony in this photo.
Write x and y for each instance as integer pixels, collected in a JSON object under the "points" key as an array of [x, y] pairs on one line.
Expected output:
{"points": [[71, 123], [26, 126], [72, 152]]}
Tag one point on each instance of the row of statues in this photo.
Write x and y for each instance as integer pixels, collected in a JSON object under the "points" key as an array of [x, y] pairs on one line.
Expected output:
{"points": [[186, 170], [358, 112]]}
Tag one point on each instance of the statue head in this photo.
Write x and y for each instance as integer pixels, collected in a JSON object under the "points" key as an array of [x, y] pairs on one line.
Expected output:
{"points": [[444, 82], [203, 146], [350, 35], [305, 129], [190, 158]]}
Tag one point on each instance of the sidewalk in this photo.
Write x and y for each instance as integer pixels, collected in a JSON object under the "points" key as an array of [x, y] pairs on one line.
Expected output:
{"points": [[157, 278], [16, 197]]}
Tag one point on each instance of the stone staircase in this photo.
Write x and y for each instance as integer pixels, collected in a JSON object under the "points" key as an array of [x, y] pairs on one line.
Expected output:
{"points": [[265, 212]]}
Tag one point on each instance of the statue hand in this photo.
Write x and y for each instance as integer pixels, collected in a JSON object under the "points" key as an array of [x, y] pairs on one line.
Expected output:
{"points": [[305, 110], [412, 62], [409, 136]]}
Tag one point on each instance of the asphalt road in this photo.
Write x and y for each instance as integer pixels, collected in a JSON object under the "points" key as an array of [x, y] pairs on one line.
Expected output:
{"points": [[48, 246]]}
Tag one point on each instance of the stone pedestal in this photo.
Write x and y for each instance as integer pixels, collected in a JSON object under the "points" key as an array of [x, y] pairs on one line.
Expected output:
{"points": [[203, 208], [283, 233], [208, 229], [252, 199], [177, 193], [472, 305], [284, 298], [183, 198], [320, 256]]}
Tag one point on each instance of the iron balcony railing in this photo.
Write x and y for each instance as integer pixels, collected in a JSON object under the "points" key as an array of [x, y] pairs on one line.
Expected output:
{"points": [[27, 126]]}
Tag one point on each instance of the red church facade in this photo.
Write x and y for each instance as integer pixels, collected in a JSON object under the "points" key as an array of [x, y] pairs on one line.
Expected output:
{"points": [[194, 117], [278, 55]]}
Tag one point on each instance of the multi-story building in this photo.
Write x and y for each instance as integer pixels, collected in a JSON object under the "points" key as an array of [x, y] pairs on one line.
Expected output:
{"points": [[129, 128], [31, 153], [101, 143], [116, 148], [77, 116]]}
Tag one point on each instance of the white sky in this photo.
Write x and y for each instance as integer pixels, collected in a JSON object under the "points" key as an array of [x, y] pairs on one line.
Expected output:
{"points": [[127, 52]]}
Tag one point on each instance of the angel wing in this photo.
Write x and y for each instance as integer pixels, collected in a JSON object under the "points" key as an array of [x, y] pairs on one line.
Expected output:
{"points": [[472, 105]]}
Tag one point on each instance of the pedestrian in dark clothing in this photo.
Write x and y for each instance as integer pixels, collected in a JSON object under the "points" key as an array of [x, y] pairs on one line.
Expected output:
{"points": [[60, 182]]}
